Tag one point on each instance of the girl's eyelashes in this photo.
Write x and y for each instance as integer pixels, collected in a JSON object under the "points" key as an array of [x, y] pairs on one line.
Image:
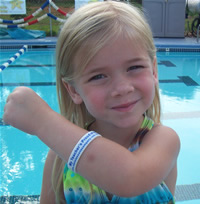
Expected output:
{"points": [[135, 67], [97, 77], [103, 76]]}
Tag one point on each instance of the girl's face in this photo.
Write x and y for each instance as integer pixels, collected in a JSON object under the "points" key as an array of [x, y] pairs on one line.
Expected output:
{"points": [[118, 85]]}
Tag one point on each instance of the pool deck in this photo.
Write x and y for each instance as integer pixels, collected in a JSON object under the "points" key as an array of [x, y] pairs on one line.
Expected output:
{"points": [[177, 42], [165, 43]]}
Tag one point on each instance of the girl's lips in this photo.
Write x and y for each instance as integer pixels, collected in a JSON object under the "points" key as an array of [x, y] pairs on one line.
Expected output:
{"points": [[125, 107]]}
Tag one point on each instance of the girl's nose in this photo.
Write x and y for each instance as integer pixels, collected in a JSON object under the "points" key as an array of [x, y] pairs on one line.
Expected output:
{"points": [[122, 88]]}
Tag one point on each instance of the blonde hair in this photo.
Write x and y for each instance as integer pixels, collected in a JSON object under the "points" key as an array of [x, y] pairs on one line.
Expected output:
{"points": [[84, 33]]}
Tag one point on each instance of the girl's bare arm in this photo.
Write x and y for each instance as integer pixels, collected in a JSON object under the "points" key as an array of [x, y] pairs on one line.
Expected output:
{"points": [[110, 165]]}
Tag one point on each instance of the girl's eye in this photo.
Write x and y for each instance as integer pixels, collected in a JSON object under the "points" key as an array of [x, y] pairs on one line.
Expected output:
{"points": [[135, 67], [97, 77]]}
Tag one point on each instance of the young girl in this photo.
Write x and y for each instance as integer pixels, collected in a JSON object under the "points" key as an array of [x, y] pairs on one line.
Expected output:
{"points": [[108, 146]]}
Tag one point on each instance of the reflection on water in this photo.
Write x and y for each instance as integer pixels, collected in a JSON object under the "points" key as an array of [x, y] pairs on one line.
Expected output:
{"points": [[22, 160], [22, 156], [9, 170], [179, 91], [179, 103], [12, 169], [178, 95], [27, 158]]}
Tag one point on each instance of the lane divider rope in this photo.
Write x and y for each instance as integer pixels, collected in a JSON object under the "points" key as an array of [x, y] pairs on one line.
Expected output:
{"points": [[15, 56]]}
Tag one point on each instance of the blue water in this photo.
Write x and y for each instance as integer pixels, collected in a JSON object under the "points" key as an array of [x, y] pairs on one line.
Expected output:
{"points": [[22, 156], [181, 106]]}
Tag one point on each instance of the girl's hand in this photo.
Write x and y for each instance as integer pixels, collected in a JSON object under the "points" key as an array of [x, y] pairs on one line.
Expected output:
{"points": [[25, 110]]}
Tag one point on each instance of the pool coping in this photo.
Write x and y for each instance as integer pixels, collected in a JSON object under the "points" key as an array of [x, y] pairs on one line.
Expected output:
{"points": [[50, 42], [177, 42]]}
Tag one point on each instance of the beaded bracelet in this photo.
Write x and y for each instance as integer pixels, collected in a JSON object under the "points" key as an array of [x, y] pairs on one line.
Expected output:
{"points": [[79, 149]]}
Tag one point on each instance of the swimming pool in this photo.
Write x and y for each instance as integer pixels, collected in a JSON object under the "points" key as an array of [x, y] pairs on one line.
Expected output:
{"points": [[179, 75], [23, 156]]}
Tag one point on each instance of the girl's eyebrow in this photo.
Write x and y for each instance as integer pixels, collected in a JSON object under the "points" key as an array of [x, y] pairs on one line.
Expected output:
{"points": [[94, 69], [137, 59]]}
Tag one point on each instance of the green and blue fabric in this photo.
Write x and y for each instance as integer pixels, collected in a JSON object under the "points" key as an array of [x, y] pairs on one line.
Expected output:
{"points": [[79, 190]]}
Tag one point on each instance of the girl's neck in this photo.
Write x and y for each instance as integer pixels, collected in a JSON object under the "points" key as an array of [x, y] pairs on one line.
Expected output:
{"points": [[122, 136]]}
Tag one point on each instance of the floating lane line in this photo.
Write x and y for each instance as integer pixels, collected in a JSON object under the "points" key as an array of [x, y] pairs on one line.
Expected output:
{"points": [[12, 59]]}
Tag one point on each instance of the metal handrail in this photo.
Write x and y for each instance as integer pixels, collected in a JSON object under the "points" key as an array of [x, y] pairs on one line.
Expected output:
{"points": [[198, 28]]}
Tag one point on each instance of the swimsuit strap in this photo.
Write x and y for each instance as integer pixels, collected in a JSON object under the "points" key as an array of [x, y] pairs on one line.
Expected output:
{"points": [[146, 126]]}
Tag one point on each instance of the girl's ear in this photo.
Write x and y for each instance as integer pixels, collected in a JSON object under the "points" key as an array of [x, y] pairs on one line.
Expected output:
{"points": [[155, 71], [72, 92]]}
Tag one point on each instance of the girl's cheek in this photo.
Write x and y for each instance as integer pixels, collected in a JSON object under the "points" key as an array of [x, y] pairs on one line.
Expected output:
{"points": [[96, 99]]}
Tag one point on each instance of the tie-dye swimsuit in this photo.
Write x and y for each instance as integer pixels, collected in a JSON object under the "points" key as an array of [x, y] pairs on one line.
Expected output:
{"points": [[78, 190]]}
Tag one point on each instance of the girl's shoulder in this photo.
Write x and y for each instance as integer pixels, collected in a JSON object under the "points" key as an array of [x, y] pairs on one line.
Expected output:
{"points": [[164, 136], [165, 130]]}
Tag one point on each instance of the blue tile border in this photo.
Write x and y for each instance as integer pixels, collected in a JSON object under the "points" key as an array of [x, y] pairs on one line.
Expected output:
{"points": [[178, 49]]}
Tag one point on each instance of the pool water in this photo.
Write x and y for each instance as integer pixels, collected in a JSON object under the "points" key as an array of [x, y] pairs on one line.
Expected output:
{"points": [[180, 99], [22, 156], [179, 75]]}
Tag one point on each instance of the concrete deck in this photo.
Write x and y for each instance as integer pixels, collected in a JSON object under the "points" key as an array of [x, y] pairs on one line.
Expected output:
{"points": [[187, 42]]}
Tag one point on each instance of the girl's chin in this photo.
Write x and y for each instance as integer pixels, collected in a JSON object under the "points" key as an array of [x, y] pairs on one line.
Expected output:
{"points": [[119, 122], [122, 125]]}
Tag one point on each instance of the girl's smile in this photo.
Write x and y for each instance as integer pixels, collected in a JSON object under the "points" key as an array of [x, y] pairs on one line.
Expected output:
{"points": [[126, 107]]}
